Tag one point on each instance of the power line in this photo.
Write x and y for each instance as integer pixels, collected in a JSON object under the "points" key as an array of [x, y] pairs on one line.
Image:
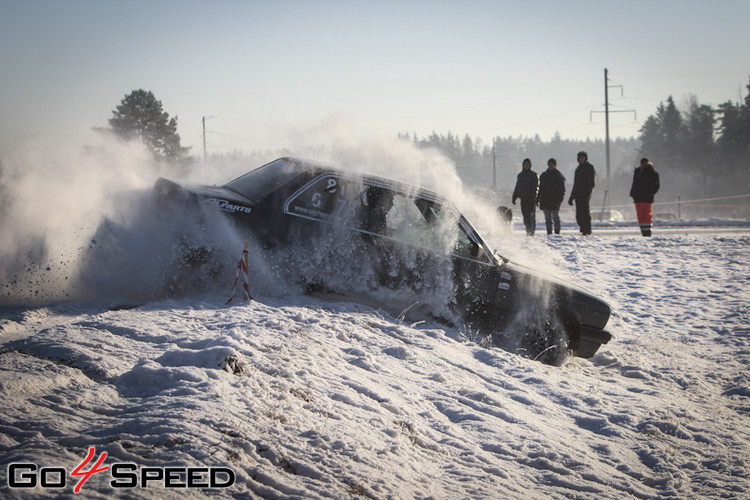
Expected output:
{"points": [[540, 119]]}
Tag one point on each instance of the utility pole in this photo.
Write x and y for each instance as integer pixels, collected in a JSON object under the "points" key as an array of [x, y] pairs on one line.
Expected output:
{"points": [[606, 126], [203, 120], [494, 167]]}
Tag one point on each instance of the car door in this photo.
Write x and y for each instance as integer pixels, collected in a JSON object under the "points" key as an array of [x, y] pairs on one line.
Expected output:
{"points": [[428, 245], [407, 239], [476, 275]]}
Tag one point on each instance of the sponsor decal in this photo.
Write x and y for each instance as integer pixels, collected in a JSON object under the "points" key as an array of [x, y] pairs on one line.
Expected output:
{"points": [[226, 206], [314, 213], [506, 276], [503, 286], [122, 475]]}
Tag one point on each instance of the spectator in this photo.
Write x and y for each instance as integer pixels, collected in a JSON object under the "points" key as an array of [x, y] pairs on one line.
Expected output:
{"points": [[645, 186], [527, 185], [551, 195], [583, 185]]}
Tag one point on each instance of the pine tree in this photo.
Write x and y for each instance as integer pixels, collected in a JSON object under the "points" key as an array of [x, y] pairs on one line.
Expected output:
{"points": [[745, 124], [651, 139], [730, 131], [140, 116], [662, 136], [697, 140], [733, 143]]}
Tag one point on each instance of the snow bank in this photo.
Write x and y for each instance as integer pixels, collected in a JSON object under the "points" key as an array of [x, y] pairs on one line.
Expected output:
{"points": [[314, 398], [308, 397]]}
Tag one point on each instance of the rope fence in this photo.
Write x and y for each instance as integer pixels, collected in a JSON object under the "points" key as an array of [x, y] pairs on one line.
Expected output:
{"points": [[693, 203], [740, 207]]}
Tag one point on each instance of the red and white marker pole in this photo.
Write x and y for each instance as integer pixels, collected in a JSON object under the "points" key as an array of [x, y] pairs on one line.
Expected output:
{"points": [[242, 267]]}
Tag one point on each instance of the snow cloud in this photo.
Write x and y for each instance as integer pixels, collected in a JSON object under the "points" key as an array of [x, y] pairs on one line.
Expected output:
{"points": [[54, 199], [79, 224]]}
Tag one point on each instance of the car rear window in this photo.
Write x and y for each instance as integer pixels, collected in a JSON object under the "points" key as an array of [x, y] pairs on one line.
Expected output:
{"points": [[262, 181], [323, 197]]}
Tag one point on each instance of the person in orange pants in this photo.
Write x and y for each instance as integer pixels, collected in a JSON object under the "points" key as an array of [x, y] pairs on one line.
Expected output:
{"points": [[645, 186]]}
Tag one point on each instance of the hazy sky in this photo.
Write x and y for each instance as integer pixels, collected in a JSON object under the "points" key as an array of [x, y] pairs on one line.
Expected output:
{"points": [[266, 71]]}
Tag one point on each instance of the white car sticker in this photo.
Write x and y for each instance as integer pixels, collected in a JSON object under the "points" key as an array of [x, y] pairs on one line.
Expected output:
{"points": [[226, 206]]}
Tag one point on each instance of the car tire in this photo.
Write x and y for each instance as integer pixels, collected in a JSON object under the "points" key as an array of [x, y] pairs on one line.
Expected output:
{"points": [[546, 340]]}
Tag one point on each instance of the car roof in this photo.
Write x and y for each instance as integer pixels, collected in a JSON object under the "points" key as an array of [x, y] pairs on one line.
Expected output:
{"points": [[321, 168]]}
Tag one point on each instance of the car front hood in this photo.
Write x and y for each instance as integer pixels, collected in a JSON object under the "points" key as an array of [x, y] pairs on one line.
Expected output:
{"points": [[592, 310]]}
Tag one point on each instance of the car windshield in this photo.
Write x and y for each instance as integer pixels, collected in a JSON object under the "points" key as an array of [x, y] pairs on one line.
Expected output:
{"points": [[259, 183]]}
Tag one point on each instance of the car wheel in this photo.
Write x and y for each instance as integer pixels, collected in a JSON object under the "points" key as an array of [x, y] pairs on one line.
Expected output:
{"points": [[194, 256], [546, 340], [190, 269]]}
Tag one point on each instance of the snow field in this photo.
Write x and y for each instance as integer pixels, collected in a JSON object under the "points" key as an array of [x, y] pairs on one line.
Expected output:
{"points": [[310, 398]]}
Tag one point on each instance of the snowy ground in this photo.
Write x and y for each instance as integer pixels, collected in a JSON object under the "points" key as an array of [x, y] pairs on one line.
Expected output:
{"points": [[309, 398]]}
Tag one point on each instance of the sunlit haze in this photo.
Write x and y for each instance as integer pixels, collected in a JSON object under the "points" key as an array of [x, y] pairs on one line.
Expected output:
{"points": [[262, 73]]}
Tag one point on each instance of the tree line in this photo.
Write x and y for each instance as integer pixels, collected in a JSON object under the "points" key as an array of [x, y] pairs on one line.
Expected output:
{"points": [[699, 139], [700, 151]]}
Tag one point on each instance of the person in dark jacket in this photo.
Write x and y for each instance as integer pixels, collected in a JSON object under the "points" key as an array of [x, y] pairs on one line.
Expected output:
{"points": [[527, 185], [551, 195], [583, 185], [645, 186]]}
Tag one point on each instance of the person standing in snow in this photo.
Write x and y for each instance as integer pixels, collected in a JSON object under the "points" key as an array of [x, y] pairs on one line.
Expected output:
{"points": [[527, 185], [551, 195], [645, 186], [583, 186]]}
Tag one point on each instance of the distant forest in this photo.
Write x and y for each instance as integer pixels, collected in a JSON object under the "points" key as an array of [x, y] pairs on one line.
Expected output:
{"points": [[494, 169], [702, 155]]}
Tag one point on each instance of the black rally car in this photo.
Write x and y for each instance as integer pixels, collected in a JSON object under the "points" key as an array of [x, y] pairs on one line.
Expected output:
{"points": [[331, 228]]}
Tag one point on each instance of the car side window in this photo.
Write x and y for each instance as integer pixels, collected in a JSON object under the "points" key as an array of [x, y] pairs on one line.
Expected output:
{"points": [[448, 228], [468, 248], [379, 210], [392, 214], [375, 205], [417, 222], [420, 222], [405, 222], [322, 198]]}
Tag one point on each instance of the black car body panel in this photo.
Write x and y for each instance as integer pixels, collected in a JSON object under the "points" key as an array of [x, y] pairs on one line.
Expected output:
{"points": [[404, 231]]}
